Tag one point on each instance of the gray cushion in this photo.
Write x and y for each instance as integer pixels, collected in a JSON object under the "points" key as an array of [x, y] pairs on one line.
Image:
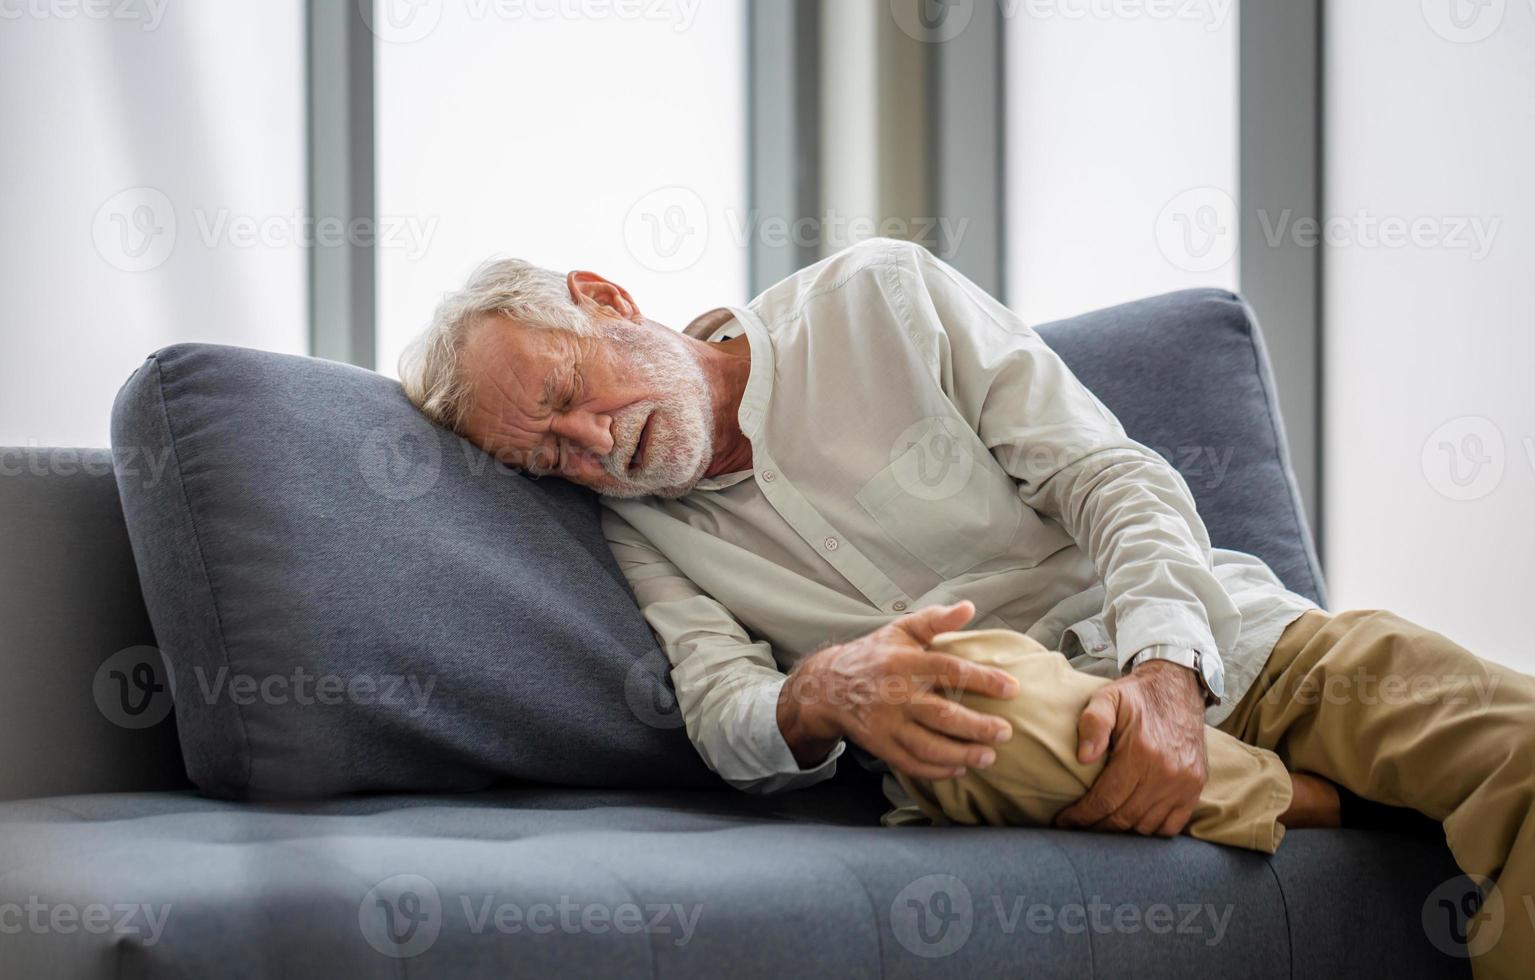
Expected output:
{"points": [[350, 599], [771, 888], [1187, 375]]}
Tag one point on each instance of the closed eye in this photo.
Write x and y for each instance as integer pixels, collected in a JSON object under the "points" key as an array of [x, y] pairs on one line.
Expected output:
{"points": [[571, 393]]}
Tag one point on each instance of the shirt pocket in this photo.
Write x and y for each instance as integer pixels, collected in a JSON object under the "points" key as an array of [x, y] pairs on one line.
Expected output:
{"points": [[942, 503]]}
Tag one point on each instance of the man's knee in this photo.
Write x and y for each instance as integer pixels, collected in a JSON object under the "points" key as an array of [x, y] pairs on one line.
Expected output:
{"points": [[1036, 772], [1050, 692]]}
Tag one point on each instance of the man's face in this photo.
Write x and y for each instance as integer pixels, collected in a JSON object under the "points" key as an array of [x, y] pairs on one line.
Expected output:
{"points": [[626, 412]]}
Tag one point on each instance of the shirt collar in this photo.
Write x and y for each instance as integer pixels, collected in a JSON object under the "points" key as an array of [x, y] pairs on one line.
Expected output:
{"points": [[725, 323]]}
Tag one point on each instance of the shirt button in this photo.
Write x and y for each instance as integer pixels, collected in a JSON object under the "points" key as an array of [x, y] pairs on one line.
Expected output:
{"points": [[768, 476], [831, 544], [899, 606], [1100, 647]]}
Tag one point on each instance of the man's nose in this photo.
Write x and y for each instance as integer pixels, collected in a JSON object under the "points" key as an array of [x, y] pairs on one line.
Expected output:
{"points": [[590, 432]]}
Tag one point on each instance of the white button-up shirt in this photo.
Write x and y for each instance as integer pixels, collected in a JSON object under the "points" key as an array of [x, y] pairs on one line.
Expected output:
{"points": [[913, 444]]}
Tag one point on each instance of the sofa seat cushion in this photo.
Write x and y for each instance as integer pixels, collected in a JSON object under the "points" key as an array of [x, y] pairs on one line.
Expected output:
{"points": [[536, 882]]}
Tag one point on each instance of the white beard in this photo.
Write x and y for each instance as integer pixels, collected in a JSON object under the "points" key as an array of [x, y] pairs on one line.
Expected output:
{"points": [[681, 441]]}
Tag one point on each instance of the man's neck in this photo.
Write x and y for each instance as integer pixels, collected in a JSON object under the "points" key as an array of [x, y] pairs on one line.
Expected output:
{"points": [[727, 367]]}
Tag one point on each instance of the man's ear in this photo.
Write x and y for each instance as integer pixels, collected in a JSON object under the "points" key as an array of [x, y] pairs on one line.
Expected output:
{"points": [[590, 289]]}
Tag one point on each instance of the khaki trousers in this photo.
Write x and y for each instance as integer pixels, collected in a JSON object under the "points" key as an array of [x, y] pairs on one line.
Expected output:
{"points": [[1394, 712]]}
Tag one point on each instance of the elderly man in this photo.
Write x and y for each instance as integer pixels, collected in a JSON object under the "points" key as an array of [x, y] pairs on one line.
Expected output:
{"points": [[815, 495]]}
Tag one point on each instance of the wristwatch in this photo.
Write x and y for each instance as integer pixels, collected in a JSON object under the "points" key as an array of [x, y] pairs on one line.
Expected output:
{"points": [[1211, 674]]}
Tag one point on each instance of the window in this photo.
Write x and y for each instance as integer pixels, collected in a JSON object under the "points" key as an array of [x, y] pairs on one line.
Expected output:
{"points": [[1122, 152], [599, 136], [154, 194]]}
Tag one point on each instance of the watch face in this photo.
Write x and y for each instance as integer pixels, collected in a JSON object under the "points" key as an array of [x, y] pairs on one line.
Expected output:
{"points": [[1215, 676]]}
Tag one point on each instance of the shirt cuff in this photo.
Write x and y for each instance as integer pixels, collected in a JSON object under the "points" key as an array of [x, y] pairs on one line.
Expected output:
{"points": [[1162, 625], [768, 745]]}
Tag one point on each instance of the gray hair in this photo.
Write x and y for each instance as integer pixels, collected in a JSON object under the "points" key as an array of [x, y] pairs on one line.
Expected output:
{"points": [[432, 367]]}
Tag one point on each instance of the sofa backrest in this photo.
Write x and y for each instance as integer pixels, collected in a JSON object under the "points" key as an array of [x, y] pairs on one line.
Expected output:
{"points": [[69, 601], [1186, 374]]}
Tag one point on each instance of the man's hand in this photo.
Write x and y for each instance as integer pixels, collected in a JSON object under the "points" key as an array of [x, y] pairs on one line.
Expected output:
{"points": [[882, 691], [1152, 723]]}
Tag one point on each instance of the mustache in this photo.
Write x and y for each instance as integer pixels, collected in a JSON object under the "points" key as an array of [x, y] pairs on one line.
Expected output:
{"points": [[626, 437]]}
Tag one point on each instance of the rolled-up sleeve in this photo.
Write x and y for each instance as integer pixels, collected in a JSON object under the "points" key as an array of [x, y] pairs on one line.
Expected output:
{"points": [[727, 684], [1124, 505]]}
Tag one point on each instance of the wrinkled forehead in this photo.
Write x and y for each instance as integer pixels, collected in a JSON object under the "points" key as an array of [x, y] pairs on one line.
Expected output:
{"points": [[515, 374]]}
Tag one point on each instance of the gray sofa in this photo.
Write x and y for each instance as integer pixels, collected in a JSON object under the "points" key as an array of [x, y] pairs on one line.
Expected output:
{"points": [[110, 865]]}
